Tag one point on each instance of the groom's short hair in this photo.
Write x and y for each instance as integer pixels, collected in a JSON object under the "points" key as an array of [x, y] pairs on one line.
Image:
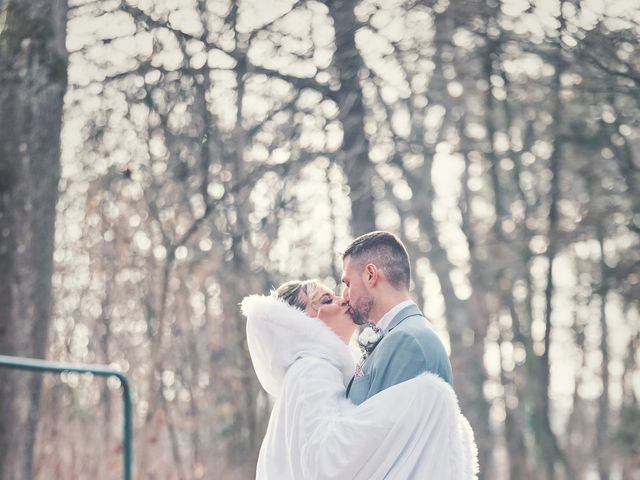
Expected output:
{"points": [[387, 252]]}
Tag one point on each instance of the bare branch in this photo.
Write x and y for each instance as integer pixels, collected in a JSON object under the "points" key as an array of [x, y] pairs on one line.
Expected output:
{"points": [[299, 82]]}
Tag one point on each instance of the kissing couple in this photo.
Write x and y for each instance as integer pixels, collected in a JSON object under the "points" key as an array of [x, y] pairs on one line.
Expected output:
{"points": [[394, 414]]}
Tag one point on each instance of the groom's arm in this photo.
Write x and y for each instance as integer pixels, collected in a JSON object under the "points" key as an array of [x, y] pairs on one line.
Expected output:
{"points": [[403, 357]]}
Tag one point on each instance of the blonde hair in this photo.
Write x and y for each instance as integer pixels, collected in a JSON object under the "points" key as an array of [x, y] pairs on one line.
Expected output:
{"points": [[299, 293]]}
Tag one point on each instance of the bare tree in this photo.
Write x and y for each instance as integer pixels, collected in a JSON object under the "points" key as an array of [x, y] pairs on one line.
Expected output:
{"points": [[33, 80]]}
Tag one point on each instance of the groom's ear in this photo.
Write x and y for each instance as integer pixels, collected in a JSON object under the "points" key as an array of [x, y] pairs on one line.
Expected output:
{"points": [[371, 274]]}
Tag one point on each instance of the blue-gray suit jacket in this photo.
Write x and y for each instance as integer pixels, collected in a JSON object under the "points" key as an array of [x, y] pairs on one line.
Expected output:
{"points": [[409, 347]]}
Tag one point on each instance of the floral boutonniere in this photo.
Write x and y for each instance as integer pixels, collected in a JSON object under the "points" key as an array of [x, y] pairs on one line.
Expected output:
{"points": [[369, 337]]}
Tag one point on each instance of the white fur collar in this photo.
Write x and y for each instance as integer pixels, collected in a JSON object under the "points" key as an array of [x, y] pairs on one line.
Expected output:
{"points": [[279, 334]]}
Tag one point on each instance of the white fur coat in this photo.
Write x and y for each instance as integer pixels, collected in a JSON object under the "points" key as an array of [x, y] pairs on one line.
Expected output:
{"points": [[413, 430]]}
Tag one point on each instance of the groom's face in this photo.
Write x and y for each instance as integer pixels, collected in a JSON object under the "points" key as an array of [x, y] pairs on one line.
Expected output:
{"points": [[356, 292]]}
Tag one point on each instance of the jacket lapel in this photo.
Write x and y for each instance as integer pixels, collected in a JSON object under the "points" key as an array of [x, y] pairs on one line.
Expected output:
{"points": [[408, 311]]}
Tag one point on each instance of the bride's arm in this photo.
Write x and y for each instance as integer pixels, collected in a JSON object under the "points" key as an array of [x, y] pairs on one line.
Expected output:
{"points": [[333, 440], [412, 425]]}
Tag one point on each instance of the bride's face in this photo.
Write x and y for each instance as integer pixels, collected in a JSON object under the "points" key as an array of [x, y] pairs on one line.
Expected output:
{"points": [[333, 311]]}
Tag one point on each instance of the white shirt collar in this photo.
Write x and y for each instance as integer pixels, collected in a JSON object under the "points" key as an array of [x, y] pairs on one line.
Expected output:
{"points": [[387, 317]]}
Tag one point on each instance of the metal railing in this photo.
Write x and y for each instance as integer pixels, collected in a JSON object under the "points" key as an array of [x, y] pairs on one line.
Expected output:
{"points": [[37, 365]]}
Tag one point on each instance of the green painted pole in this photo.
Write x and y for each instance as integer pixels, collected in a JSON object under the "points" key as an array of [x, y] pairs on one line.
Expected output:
{"points": [[37, 365]]}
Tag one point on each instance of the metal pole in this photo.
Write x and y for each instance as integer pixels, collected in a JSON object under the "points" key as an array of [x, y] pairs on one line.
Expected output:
{"points": [[34, 364]]}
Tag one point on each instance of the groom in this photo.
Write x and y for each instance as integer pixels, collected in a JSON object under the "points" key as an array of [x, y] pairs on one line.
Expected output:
{"points": [[377, 275]]}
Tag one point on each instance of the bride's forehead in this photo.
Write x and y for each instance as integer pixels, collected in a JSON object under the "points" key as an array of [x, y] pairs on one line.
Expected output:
{"points": [[321, 290]]}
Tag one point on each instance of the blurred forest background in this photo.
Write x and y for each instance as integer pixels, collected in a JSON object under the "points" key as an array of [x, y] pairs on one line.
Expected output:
{"points": [[190, 152]]}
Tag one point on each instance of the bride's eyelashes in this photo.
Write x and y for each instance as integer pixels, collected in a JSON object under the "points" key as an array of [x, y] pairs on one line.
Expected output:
{"points": [[326, 300]]}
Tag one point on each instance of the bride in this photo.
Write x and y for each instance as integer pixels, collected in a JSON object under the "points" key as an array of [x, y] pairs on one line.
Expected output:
{"points": [[298, 340]]}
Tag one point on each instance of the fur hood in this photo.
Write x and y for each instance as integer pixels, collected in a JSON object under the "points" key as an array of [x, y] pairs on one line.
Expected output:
{"points": [[278, 334]]}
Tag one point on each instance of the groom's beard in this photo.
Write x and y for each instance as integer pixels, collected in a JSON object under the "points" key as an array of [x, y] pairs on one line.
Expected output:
{"points": [[357, 318], [360, 312]]}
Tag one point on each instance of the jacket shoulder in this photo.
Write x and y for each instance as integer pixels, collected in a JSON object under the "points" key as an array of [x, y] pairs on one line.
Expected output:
{"points": [[416, 341], [417, 327]]}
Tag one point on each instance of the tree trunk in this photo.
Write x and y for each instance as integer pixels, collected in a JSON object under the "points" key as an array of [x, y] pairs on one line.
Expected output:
{"points": [[33, 79], [602, 426], [355, 145], [547, 441]]}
